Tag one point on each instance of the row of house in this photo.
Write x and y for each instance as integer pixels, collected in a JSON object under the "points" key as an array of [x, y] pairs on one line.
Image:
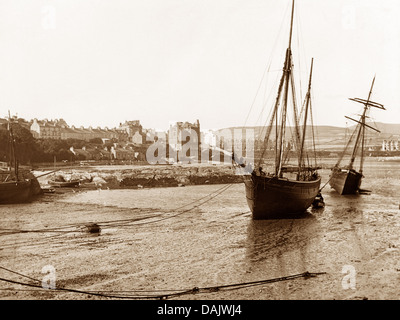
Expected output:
{"points": [[130, 131], [178, 134], [114, 153], [390, 145], [133, 132]]}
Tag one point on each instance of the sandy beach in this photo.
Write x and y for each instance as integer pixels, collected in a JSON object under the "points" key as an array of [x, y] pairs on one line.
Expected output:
{"points": [[156, 241]]}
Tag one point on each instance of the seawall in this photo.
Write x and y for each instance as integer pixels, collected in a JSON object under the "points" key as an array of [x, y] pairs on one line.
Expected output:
{"points": [[149, 176]]}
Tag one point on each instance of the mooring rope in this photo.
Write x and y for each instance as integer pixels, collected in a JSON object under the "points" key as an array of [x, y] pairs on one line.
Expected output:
{"points": [[122, 222], [325, 184], [195, 290]]}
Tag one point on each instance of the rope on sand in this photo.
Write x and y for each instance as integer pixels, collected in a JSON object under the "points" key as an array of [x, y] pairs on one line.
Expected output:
{"points": [[195, 290]]}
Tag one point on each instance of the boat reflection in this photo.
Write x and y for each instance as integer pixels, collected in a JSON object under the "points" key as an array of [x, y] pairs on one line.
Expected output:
{"points": [[281, 247]]}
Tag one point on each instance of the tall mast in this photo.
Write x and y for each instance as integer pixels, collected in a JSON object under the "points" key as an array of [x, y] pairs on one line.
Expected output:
{"points": [[296, 121], [284, 110], [12, 147], [284, 81], [305, 116], [291, 27], [286, 74], [361, 132], [274, 117]]}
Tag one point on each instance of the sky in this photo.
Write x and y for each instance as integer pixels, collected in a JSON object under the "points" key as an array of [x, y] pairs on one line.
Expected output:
{"points": [[100, 62]]}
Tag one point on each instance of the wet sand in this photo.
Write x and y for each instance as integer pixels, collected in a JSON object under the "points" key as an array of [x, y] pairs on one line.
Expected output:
{"points": [[161, 240]]}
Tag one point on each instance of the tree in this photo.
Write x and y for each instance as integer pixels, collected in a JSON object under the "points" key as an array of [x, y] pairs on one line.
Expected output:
{"points": [[4, 145], [96, 141], [24, 143]]}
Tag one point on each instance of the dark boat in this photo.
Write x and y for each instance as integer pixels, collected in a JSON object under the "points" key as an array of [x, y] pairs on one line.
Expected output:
{"points": [[345, 179], [16, 186], [283, 189], [64, 184], [272, 197], [15, 191], [48, 189]]}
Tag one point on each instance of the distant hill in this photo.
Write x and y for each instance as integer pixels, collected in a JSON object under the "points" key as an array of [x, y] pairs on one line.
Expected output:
{"points": [[387, 129], [331, 137]]}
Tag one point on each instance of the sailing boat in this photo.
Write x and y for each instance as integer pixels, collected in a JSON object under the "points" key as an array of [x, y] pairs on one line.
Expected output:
{"points": [[16, 187], [284, 190], [346, 179]]}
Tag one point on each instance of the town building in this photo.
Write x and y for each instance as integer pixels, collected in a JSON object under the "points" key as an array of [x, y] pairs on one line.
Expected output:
{"points": [[90, 153], [209, 138], [59, 129], [184, 133], [14, 119], [390, 145], [47, 129], [132, 131]]}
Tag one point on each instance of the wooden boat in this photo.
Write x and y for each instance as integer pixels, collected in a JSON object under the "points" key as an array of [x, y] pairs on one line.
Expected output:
{"points": [[64, 184], [273, 197], [281, 191], [60, 182], [345, 179], [48, 189], [15, 191], [36, 188], [16, 186]]}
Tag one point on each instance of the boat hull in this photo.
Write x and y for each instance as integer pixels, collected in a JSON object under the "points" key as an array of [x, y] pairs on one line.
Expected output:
{"points": [[65, 184], [345, 181], [271, 198], [15, 192]]}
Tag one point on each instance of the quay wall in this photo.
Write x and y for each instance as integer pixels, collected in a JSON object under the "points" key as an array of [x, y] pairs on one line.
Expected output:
{"points": [[150, 176]]}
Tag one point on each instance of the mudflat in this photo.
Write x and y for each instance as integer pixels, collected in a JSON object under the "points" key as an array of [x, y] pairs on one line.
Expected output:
{"points": [[157, 241]]}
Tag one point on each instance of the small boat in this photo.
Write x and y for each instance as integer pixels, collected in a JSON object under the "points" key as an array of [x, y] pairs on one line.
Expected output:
{"points": [[318, 201], [48, 189], [60, 182], [283, 189], [64, 184], [346, 179]]}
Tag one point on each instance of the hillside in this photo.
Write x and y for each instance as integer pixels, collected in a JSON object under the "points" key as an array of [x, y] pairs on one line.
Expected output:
{"points": [[334, 138]]}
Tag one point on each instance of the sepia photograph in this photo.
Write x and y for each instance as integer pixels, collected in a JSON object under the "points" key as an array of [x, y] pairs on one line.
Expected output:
{"points": [[199, 155]]}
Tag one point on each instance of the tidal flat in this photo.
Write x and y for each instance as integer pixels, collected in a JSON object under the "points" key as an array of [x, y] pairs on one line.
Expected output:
{"points": [[159, 241]]}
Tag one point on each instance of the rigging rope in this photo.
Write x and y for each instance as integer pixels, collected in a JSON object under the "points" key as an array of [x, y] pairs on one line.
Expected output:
{"points": [[175, 293], [267, 68], [125, 222]]}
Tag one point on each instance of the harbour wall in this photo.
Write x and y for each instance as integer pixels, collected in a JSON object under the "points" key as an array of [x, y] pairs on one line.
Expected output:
{"points": [[150, 176]]}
